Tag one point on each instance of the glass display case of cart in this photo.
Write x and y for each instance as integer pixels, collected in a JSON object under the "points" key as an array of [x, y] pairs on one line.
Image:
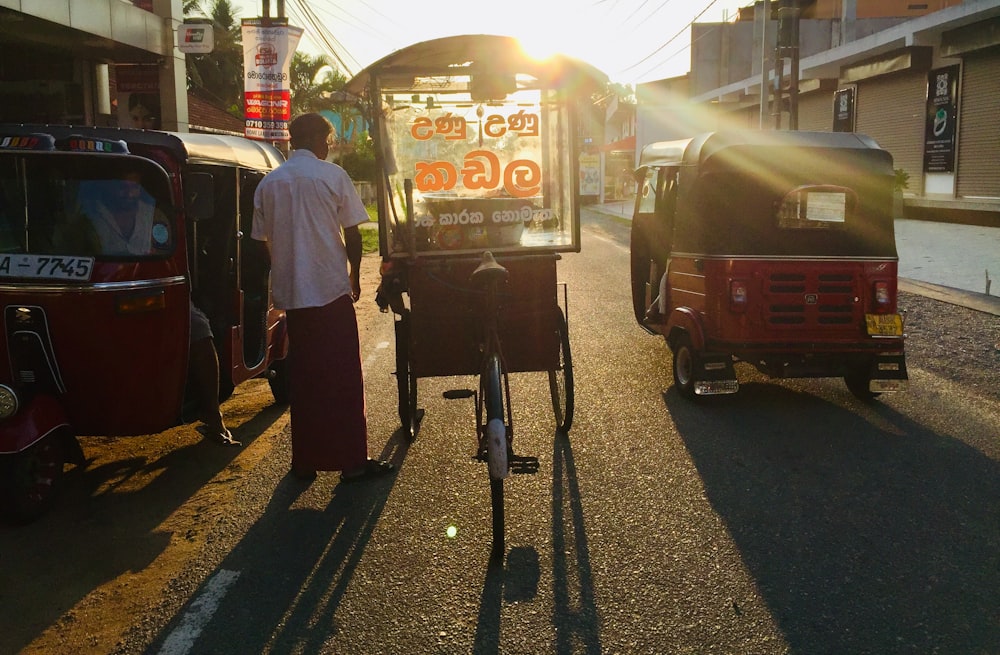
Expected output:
{"points": [[486, 160]]}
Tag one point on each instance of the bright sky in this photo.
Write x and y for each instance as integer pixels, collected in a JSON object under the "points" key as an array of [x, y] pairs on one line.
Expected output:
{"points": [[629, 40]]}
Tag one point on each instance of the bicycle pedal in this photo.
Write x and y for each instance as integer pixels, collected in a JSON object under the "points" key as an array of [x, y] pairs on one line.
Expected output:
{"points": [[454, 394], [520, 465]]}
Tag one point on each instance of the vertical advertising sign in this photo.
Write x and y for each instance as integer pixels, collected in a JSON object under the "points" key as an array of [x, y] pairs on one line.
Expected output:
{"points": [[268, 46], [590, 174], [843, 110], [138, 91], [941, 120]]}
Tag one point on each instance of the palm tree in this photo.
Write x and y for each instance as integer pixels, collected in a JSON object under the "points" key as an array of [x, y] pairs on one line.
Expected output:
{"points": [[221, 72], [313, 82]]}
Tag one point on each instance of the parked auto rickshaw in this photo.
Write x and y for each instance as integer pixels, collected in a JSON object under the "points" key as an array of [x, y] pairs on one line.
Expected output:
{"points": [[96, 336], [771, 248]]}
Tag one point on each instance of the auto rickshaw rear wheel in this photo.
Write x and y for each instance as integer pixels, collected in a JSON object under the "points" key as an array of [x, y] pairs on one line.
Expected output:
{"points": [[858, 382], [685, 365], [33, 478]]}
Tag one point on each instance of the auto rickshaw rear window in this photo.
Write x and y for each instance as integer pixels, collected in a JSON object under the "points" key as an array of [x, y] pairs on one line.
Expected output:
{"points": [[84, 205], [816, 207]]}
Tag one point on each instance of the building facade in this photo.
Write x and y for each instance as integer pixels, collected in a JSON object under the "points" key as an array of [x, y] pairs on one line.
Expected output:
{"points": [[82, 61], [926, 87]]}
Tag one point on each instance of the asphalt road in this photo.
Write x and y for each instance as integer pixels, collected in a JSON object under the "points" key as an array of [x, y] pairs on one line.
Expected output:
{"points": [[789, 518]]}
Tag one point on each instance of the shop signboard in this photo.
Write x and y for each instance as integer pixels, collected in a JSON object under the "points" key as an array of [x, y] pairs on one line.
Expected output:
{"points": [[844, 110], [941, 120], [138, 95]]}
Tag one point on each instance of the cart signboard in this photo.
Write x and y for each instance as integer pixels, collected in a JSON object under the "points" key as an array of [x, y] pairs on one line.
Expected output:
{"points": [[477, 142]]}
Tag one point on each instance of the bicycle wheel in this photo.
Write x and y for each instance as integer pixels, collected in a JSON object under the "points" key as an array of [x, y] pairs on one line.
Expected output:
{"points": [[491, 389], [406, 382], [561, 379]]}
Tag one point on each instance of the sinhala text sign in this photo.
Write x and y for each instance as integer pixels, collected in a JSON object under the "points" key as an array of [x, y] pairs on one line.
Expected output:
{"points": [[268, 46]]}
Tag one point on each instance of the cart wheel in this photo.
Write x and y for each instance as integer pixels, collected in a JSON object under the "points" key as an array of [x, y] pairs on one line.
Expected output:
{"points": [[278, 381], [561, 380], [33, 479], [406, 382], [858, 382], [685, 364]]}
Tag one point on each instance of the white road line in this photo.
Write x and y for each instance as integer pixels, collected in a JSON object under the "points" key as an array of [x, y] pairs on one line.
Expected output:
{"points": [[367, 362], [184, 636]]}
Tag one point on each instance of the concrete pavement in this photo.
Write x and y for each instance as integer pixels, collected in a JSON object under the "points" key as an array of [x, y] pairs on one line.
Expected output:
{"points": [[953, 263]]}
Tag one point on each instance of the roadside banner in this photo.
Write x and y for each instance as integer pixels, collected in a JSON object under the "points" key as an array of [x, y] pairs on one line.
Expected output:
{"points": [[268, 46]]}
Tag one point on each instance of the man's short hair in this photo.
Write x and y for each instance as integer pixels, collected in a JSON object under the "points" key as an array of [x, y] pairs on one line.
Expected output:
{"points": [[304, 130]]}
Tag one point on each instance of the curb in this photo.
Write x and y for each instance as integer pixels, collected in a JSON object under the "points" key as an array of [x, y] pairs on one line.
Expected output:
{"points": [[970, 299]]}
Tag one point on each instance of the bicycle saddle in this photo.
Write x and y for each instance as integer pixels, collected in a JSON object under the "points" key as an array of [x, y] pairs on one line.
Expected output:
{"points": [[488, 271]]}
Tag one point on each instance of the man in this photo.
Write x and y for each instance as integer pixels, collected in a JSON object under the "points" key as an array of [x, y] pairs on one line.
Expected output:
{"points": [[122, 214], [204, 363], [308, 212]]}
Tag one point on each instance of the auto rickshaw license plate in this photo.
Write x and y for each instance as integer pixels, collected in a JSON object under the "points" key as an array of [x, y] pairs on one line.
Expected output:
{"points": [[51, 267], [884, 325]]}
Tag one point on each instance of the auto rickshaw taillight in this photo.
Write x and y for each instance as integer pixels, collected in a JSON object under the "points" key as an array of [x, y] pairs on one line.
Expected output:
{"points": [[737, 295], [883, 298], [141, 303]]}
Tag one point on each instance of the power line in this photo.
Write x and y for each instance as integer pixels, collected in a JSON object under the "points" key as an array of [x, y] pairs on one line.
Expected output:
{"points": [[671, 40], [327, 42]]}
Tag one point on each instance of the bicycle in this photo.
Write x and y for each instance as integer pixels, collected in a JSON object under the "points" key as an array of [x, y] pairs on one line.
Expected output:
{"points": [[494, 418]]}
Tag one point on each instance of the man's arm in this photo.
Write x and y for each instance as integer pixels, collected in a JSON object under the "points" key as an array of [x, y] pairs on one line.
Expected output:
{"points": [[352, 241]]}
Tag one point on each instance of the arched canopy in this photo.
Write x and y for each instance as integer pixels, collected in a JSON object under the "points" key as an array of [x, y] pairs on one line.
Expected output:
{"points": [[473, 54]]}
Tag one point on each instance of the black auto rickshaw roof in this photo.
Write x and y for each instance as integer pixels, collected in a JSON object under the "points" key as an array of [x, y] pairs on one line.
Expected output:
{"points": [[189, 147], [699, 149], [731, 186], [471, 54]]}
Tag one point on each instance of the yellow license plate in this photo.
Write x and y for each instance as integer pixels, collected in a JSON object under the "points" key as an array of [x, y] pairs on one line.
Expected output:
{"points": [[884, 325]]}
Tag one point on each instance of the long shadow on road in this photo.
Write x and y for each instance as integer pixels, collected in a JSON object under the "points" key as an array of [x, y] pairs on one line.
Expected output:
{"points": [[294, 567], [866, 532], [575, 618], [108, 521]]}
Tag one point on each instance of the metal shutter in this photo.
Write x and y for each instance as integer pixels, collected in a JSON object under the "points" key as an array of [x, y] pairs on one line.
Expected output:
{"points": [[979, 131], [816, 111], [890, 109]]}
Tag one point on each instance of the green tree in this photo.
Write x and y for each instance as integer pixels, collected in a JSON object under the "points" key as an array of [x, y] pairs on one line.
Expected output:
{"points": [[314, 81], [220, 72]]}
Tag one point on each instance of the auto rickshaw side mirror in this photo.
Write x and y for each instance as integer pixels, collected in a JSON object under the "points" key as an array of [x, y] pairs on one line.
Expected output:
{"points": [[199, 195]]}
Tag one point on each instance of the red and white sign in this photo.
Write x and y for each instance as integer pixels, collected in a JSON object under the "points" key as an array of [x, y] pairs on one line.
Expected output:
{"points": [[195, 38], [268, 46]]}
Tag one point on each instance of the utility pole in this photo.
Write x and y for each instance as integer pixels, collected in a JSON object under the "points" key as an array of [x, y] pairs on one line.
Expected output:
{"points": [[764, 18], [267, 8], [787, 48]]}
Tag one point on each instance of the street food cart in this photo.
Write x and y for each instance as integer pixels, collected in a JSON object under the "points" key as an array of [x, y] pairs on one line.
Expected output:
{"points": [[477, 146]]}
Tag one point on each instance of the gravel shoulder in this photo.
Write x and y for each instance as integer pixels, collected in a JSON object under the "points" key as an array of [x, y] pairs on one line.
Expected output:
{"points": [[952, 341]]}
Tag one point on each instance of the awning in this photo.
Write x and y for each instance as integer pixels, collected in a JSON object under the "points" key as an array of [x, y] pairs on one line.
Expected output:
{"points": [[622, 145]]}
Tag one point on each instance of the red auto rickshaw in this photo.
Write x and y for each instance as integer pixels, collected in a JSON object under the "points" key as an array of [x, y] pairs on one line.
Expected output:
{"points": [[95, 340], [771, 248]]}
